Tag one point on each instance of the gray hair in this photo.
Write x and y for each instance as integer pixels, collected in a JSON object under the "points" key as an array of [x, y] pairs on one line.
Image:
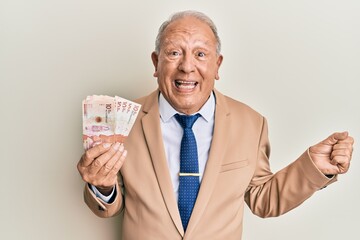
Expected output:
{"points": [[199, 15]]}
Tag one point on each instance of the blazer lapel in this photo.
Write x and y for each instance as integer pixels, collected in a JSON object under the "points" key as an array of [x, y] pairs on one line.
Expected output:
{"points": [[151, 127], [216, 154]]}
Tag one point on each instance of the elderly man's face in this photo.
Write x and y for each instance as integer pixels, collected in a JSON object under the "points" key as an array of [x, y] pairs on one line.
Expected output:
{"points": [[187, 64]]}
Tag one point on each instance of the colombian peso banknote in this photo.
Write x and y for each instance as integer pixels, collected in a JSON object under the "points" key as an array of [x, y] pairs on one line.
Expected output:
{"points": [[107, 119]]}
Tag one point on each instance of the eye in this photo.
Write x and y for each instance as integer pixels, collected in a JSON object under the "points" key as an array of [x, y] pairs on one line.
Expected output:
{"points": [[201, 54], [174, 53]]}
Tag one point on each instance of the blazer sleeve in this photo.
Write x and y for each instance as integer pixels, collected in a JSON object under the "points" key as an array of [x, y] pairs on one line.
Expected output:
{"points": [[270, 195], [101, 208]]}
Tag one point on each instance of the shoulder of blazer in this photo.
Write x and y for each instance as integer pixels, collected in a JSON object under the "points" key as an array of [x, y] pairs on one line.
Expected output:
{"points": [[235, 107]]}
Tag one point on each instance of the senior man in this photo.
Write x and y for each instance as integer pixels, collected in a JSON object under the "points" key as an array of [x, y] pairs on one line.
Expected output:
{"points": [[195, 156]]}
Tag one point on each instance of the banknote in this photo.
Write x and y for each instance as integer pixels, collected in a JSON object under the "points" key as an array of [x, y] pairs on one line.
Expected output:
{"points": [[107, 119]]}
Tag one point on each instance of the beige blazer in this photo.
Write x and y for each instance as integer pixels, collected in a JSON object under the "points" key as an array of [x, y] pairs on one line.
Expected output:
{"points": [[237, 171]]}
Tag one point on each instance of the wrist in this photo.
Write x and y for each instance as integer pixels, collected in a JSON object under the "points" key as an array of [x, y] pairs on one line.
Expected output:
{"points": [[106, 191]]}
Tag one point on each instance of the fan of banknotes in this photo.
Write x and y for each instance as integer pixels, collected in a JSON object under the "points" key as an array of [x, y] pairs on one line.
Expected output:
{"points": [[107, 119]]}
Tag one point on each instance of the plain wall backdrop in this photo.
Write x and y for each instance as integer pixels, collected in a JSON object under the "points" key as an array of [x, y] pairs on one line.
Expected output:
{"points": [[296, 62]]}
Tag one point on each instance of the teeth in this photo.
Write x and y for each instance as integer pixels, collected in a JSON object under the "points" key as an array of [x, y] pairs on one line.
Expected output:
{"points": [[185, 84]]}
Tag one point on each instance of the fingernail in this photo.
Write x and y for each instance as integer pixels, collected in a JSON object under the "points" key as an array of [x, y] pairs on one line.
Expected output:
{"points": [[121, 148], [106, 145], [117, 146]]}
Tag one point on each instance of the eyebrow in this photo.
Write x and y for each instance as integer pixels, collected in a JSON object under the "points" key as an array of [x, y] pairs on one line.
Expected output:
{"points": [[175, 42]]}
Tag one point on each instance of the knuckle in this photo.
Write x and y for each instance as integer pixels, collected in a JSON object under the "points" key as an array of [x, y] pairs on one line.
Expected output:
{"points": [[82, 170], [107, 155], [347, 152], [87, 155], [97, 182], [86, 178], [336, 147], [97, 163], [345, 169], [108, 167], [116, 169]]}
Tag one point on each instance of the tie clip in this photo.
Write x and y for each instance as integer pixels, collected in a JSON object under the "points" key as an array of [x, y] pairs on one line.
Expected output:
{"points": [[189, 174]]}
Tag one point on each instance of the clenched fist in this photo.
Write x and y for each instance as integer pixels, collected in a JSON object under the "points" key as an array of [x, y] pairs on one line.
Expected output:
{"points": [[332, 156]]}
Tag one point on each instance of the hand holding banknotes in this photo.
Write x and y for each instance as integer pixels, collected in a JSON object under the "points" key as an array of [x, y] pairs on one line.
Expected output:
{"points": [[107, 122], [99, 165]]}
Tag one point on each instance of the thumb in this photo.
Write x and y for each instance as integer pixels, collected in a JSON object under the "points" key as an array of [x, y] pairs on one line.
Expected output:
{"points": [[335, 137]]}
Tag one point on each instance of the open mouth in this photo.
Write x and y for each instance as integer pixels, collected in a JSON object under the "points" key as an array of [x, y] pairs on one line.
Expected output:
{"points": [[185, 84]]}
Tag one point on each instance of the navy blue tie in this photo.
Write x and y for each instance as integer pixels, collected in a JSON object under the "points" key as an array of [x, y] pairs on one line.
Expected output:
{"points": [[189, 168]]}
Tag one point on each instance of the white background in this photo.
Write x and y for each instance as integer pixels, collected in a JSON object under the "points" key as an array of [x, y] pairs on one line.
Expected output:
{"points": [[296, 62]]}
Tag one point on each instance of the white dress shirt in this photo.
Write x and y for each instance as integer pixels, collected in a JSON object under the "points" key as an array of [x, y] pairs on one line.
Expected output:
{"points": [[172, 133]]}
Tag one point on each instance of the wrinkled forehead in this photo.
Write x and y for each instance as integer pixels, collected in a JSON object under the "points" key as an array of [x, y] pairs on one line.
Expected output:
{"points": [[189, 29]]}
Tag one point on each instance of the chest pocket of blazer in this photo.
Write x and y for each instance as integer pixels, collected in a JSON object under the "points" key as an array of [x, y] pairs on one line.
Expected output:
{"points": [[234, 165]]}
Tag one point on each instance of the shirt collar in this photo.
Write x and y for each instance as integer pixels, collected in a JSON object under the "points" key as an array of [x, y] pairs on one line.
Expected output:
{"points": [[167, 111]]}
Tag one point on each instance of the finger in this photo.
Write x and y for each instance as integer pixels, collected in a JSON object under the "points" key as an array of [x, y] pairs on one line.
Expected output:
{"points": [[89, 156], [341, 152], [343, 167], [330, 170], [107, 167], [335, 137], [111, 178], [119, 163], [343, 146], [341, 159], [341, 135], [349, 140], [99, 162]]}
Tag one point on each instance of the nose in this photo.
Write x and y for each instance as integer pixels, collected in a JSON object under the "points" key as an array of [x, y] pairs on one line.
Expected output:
{"points": [[186, 64]]}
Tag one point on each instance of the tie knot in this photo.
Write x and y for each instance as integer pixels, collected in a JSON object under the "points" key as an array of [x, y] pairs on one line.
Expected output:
{"points": [[187, 121]]}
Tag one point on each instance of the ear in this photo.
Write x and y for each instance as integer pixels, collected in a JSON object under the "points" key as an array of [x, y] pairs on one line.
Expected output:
{"points": [[218, 63], [155, 60]]}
